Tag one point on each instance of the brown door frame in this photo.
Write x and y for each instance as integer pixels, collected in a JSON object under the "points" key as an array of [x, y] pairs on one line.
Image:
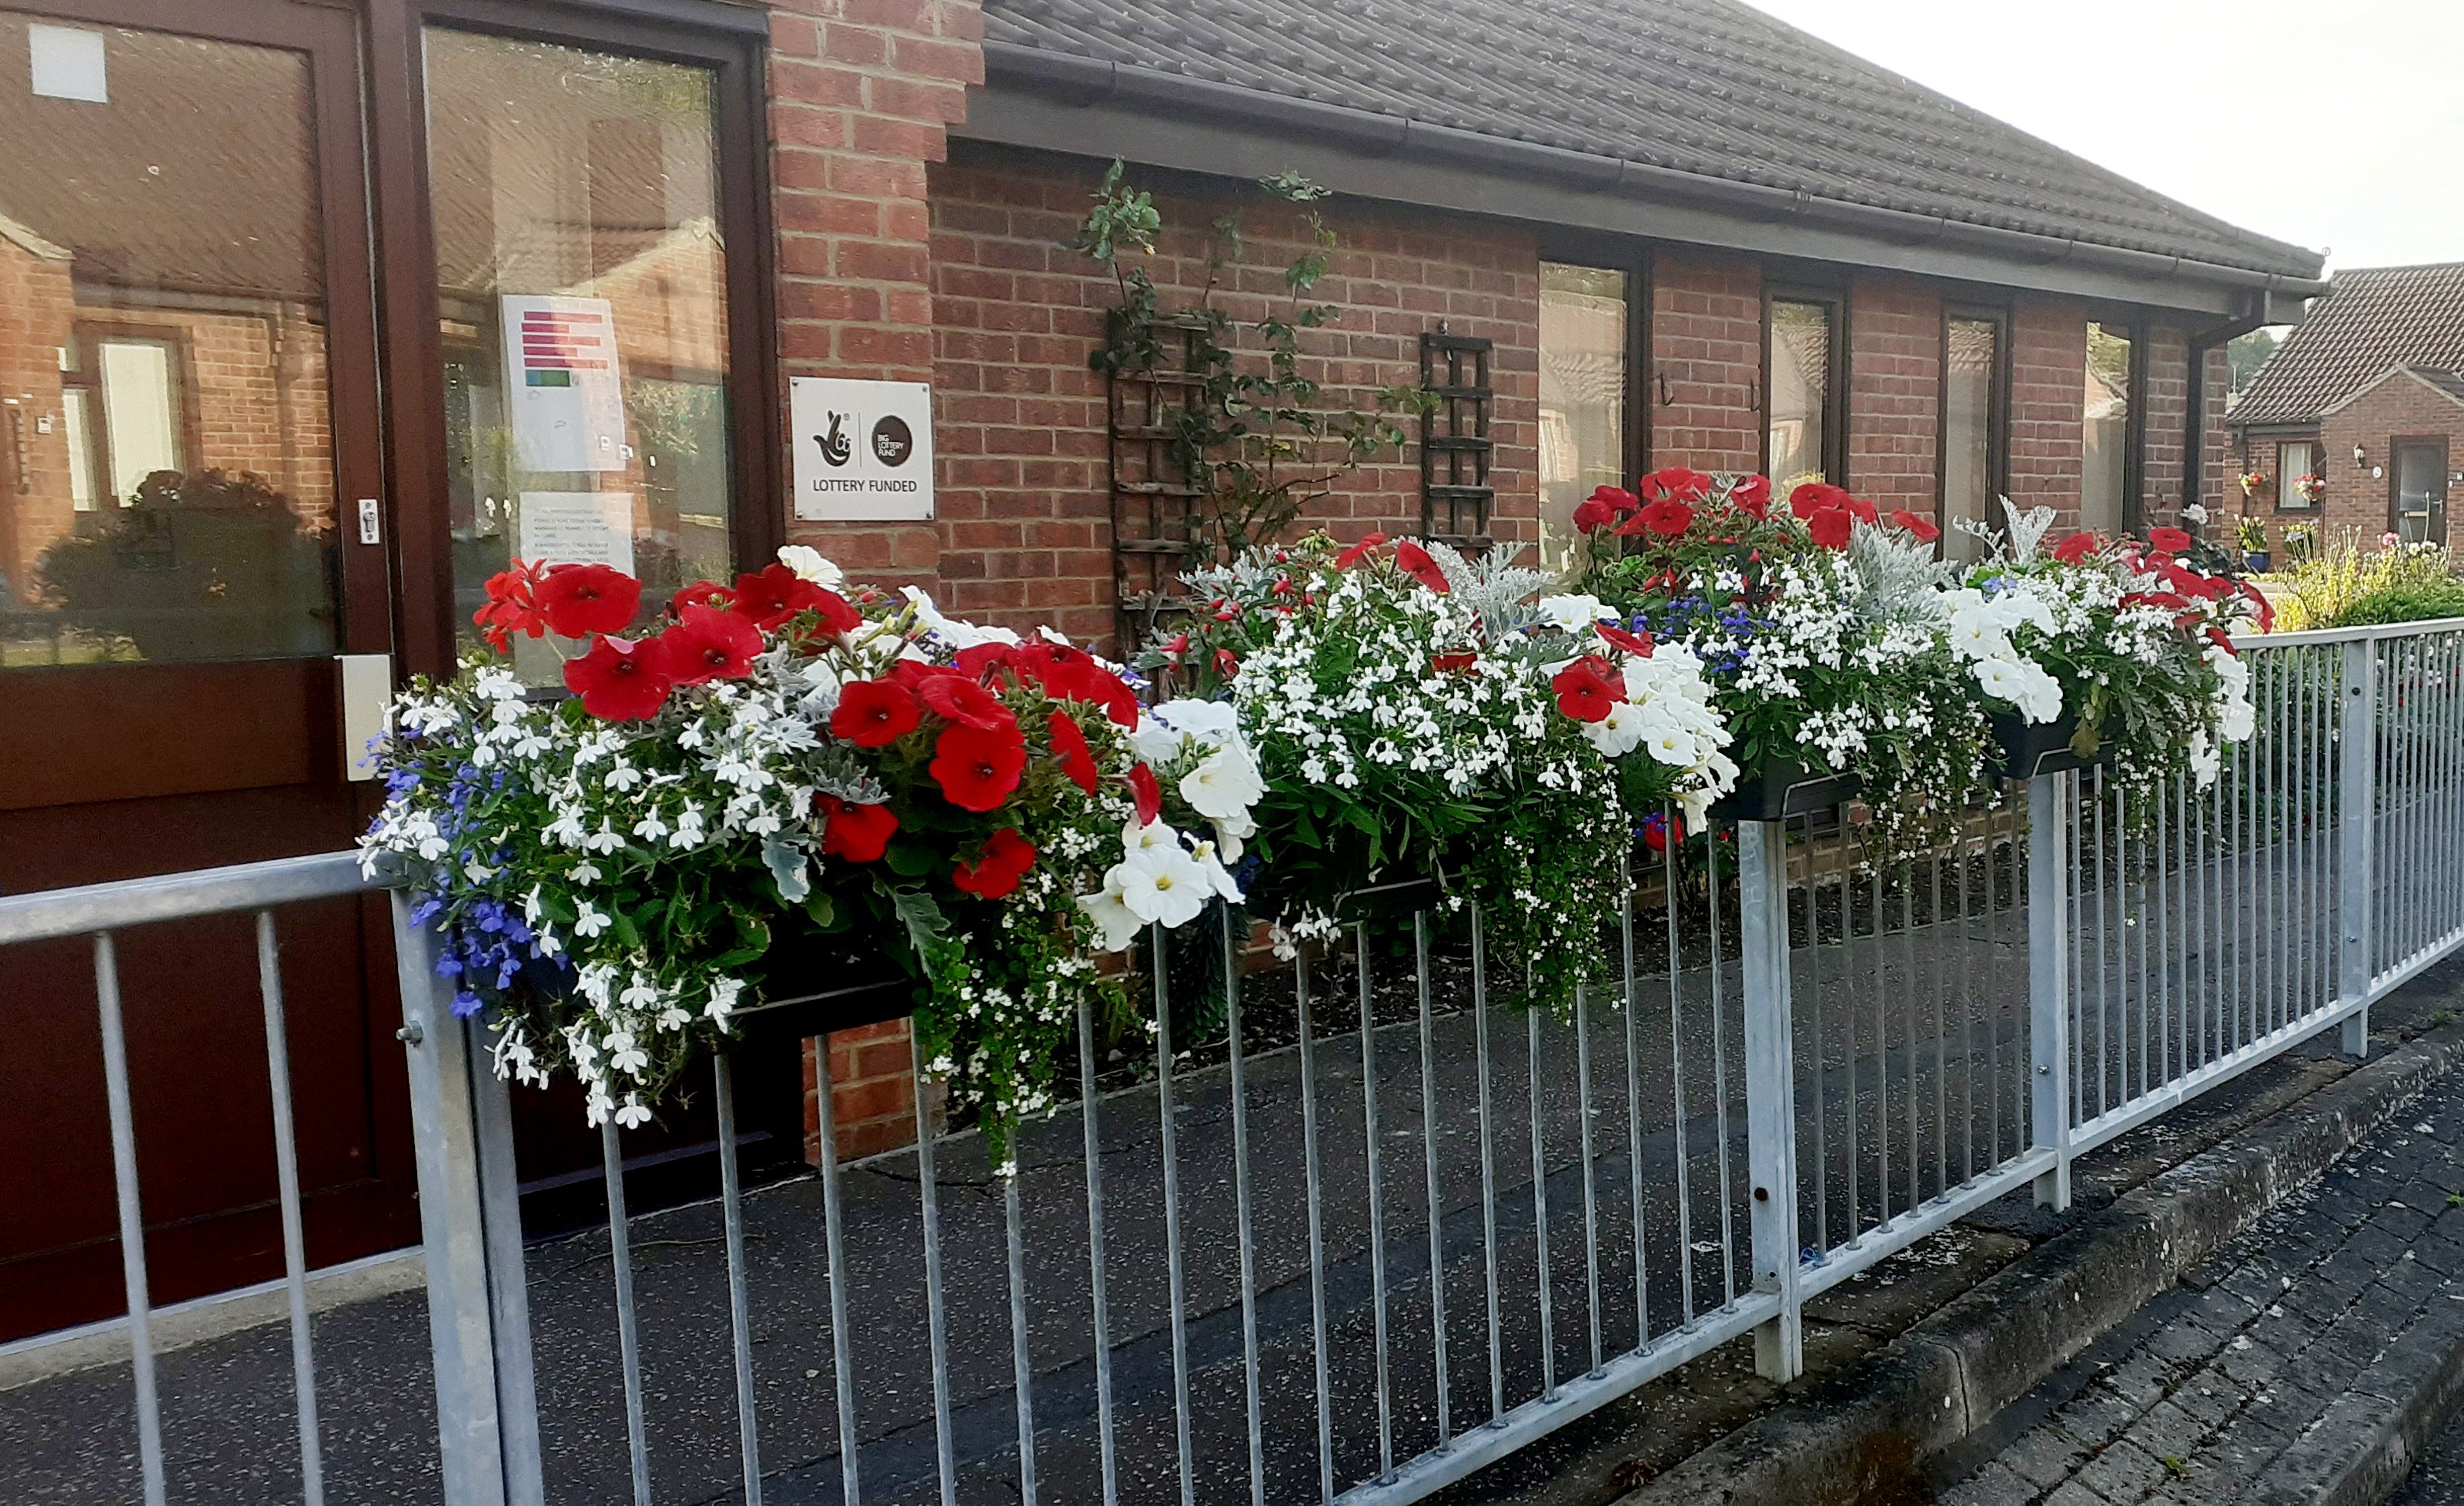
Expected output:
{"points": [[730, 41], [2397, 444]]}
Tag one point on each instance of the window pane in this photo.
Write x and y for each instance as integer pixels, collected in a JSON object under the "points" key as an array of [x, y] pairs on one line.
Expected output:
{"points": [[1800, 392], [2106, 433], [583, 293], [166, 339], [1968, 434], [1582, 391], [2294, 460]]}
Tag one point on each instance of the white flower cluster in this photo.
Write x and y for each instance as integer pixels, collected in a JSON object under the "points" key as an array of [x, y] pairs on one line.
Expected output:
{"points": [[1165, 877], [1979, 626]]}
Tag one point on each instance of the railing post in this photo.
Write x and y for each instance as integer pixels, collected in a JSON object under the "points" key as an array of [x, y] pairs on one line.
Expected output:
{"points": [[1770, 1091], [2356, 798], [477, 1305], [2049, 986]]}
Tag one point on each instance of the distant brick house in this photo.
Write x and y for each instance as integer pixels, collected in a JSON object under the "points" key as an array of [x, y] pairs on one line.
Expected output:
{"points": [[2365, 396]]}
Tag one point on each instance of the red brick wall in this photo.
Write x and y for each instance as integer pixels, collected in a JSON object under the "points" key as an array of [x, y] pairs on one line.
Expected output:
{"points": [[1026, 521], [1894, 395], [35, 311], [2048, 387], [2355, 500], [872, 1097], [2216, 474], [862, 94], [1707, 344], [2167, 350]]}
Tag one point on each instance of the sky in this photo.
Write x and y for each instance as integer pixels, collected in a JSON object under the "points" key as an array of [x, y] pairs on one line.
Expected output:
{"points": [[2336, 124]]}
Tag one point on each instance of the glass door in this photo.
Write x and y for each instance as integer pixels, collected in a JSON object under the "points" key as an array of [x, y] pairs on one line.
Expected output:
{"points": [[187, 429], [2420, 491]]}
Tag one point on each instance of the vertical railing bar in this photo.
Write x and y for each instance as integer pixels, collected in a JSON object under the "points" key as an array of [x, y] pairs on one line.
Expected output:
{"points": [[2137, 926], [1993, 992], [2103, 989], [1540, 1213], [1909, 993], [834, 1249], [2160, 926], [1437, 1203], [1670, 837], [295, 1239], [739, 1305], [1968, 953], [1241, 1214], [2279, 964], [628, 1338], [1377, 1209], [1720, 1083], [132, 1219], [1882, 1059], [1768, 1049], [1021, 1362], [1169, 1137], [1098, 1287], [1822, 1044], [1487, 1162], [1941, 1027], [2293, 675], [937, 1311], [1848, 976], [1676, 1079], [1591, 1192], [1316, 1227]]}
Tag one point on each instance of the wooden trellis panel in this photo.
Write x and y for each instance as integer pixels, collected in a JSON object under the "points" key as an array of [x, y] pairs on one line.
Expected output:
{"points": [[1454, 443], [1156, 531]]}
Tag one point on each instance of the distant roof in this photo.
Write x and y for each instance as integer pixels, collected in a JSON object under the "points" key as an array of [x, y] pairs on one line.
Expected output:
{"points": [[2377, 317], [2446, 384], [1704, 87]]}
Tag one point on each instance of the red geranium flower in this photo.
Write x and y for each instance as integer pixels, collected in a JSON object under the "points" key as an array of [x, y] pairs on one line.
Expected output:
{"points": [[579, 600], [1752, 495], [2075, 548], [858, 834], [2171, 541], [1587, 688], [1077, 758], [1668, 517], [956, 699], [976, 769], [1916, 523], [1816, 496], [512, 605], [1416, 562], [774, 593], [873, 712], [1359, 551], [1148, 793], [1831, 527], [1677, 482], [708, 644], [1006, 858], [620, 680]]}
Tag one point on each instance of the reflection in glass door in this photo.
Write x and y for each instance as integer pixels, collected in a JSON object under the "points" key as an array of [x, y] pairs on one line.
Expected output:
{"points": [[583, 292], [2421, 491]]}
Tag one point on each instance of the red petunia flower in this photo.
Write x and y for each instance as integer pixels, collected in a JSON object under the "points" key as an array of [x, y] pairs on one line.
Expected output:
{"points": [[619, 680], [1677, 482], [512, 605], [1752, 496], [1919, 524], [1604, 507], [2258, 599], [2075, 548], [708, 644], [1668, 517], [1637, 644], [1359, 551], [773, 594], [1831, 527], [1452, 663], [1077, 758], [1006, 858], [977, 769], [955, 697], [700, 593], [873, 712], [1414, 562], [1863, 511], [579, 600], [1587, 688], [858, 834], [1148, 793], [1816, 496], [2171, 541]]}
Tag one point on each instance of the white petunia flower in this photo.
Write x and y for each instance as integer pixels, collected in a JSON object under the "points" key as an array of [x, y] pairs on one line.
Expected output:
{"points": [[810, 565]]}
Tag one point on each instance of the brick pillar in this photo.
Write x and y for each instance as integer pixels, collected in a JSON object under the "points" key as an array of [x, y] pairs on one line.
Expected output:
{"points": [[862, 93], [1894, 395], [1707, 339], [2048, 401]]}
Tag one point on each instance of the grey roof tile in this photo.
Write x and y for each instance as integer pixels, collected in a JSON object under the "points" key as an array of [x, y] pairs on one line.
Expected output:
{"points": [[1701, 86], [2377, 317]]}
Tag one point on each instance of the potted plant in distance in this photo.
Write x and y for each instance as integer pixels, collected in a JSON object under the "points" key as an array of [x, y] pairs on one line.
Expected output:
{"points": [[2251, 534]]}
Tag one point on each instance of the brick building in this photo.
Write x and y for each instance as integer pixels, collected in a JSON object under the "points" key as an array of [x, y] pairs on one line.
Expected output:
{"points": [[460, 281], [2365, 398]]}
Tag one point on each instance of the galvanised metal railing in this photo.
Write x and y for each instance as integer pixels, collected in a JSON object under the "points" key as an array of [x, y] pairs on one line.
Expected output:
{"points": [[1348, 1226]]}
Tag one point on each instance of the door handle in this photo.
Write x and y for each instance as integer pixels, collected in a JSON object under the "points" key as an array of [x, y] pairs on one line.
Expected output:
{"points": [[367, 690]]}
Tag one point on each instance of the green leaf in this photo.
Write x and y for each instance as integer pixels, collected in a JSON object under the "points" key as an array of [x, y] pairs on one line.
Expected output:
{"points": [[912, 859], [928, 929]]}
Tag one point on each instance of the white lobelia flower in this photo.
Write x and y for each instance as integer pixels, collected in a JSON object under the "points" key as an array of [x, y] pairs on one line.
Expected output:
{"points": [[1225, 785], [1619, 733], [1574, 613], [810, 565], [588, 920], [1163, 886], [624, 1054], [634, 1114]]}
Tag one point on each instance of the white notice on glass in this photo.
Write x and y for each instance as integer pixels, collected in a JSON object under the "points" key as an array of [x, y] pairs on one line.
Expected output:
{"points": [[67, 62], [562, 386], [578, 528]]}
